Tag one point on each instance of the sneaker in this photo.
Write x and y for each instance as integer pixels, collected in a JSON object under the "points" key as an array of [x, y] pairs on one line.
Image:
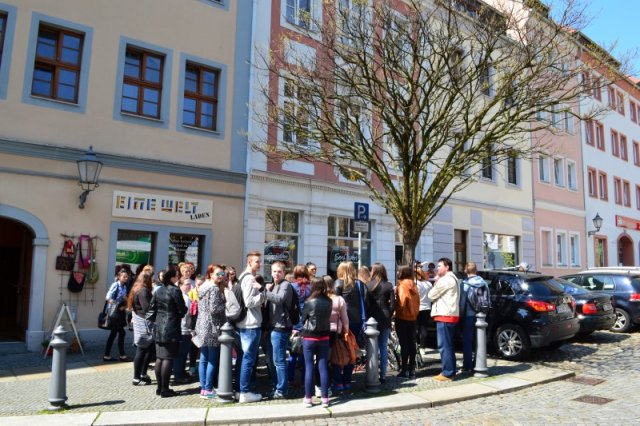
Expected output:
{"points": [[318, 392], [249, 397], [442, 378], [205, 394], [306, 403], [325, 402], [146, 379], [278, 395], [138, 382]]}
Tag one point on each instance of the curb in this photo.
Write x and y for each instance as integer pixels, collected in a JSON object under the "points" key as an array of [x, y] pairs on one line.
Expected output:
{"points": [[295, 412]]}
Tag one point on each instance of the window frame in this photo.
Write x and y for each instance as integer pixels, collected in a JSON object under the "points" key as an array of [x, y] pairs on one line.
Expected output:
{"points": [[549, 245], [558, 179], [589, 133], [572, 175], [296, 19], [636, 153], [615, 143], [638, 196], [617, 190], [544, 173], [624, 152], [599, 134], [310, 143], [603, 189], [3, 31], [633, 111], [487, 172], [141, 83], [592, 182], [201, 98], [280, 232], [626, 193], [574, 236], [513, 170], [560, 244]]}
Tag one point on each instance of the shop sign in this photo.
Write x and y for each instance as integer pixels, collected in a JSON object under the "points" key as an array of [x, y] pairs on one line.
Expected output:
{"points": [[627, 222], [162, 207]]}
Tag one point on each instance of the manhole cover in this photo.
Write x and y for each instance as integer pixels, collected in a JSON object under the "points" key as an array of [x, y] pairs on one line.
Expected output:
{"points": [[591, 399], [592, 381]]}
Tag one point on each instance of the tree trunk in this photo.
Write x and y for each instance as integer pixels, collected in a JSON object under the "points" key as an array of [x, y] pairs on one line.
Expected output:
{"points": [[409, 251]]}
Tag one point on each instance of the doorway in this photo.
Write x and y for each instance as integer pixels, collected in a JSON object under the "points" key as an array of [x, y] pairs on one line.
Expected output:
{"points": [[460, 250], [16, 248], [625, 251]]}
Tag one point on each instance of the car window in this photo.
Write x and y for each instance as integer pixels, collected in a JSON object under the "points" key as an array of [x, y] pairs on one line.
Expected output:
{"points": [[572, 278], [595, 282], [570, 287], [501, 286], [543, 287]]}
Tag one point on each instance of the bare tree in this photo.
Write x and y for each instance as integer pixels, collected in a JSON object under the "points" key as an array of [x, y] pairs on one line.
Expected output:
{"points": [[412, 101]]}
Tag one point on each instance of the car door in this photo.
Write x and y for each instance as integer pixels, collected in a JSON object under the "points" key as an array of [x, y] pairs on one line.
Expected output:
{"points": [[502, 299]]}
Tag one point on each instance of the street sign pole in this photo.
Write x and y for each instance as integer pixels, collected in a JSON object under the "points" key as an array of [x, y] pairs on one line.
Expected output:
{"points": [[361, 221], [359, 250]]}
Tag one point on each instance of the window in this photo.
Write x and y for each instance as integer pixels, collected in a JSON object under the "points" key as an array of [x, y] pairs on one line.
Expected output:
{"points": [[487, 164], [620, 102], [561, 249], [135, 248], [574, 250], [298, 12], [500, 251], [626, 193], [185, 248], [602, 186], [562, 118], [633, 112], [617, 190], [200, 108], [638, 197], [142, 83], [624, 153], [600, 136], [543, 168], [56, 72], [596, 87], [512, 170], [572, 176], [615, 144], [485, 79], [592, 181], [342, 244], [636, 153], [347, 15], [456, 64], [297, 120], [589, 132], [547, 248], [281, 239], [600, 250], [3, 30], [558, 172], [611, 97]]}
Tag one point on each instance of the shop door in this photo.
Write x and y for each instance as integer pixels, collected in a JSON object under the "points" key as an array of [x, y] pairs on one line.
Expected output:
{"points": [[15, 260], [460, 248]]}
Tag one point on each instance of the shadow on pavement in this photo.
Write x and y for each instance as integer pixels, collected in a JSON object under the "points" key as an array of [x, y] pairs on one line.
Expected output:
{"points": [[96, 404]]}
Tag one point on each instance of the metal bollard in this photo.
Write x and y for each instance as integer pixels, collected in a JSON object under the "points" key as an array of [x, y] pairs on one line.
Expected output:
{"points": [[373, 360], [58, 383], [225, 371], [481, 345]]}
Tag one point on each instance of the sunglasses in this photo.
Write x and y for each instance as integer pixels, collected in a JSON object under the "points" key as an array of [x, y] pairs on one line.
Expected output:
{"points": [[220, 274]]}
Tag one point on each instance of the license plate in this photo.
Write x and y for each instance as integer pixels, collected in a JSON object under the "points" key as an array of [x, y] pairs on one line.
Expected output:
{"points": [[607, 307], [563, 309]]}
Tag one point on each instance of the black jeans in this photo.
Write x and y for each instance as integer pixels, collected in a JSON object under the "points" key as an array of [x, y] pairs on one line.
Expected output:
{"points": [[424, 319], [120, 332], [406, 331], [143, 357]]}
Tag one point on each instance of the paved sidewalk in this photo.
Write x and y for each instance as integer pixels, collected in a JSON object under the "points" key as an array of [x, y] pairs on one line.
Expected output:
{"points": [[101, 394]]}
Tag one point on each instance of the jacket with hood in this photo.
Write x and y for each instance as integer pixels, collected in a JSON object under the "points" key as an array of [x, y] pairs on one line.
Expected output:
{"points": [[445, 298], [471, 282], [407, 300]]}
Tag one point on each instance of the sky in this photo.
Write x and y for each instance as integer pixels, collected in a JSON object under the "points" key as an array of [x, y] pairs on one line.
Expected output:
{"points": [[613, 20]]}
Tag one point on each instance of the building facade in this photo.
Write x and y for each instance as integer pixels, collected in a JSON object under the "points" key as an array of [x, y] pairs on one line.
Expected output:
{"points": [[163, 114]]}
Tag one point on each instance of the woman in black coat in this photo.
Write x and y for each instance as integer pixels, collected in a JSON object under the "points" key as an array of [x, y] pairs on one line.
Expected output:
{"points": [[166, 309]]}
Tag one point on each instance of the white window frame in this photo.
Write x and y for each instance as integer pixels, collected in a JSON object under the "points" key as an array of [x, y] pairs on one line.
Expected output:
{"points": [[550, 249], [516, 163], [560, 249], [315, 17], [572, 175], [312, 143], [574, 263]]}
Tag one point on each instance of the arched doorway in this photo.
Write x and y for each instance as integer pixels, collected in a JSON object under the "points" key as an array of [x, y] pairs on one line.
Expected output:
{"points": [[625, 251], [16, 250]]}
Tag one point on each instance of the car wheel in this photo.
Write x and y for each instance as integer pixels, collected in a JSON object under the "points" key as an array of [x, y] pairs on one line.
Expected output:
{"points": [[512, 342], [623, 321]]}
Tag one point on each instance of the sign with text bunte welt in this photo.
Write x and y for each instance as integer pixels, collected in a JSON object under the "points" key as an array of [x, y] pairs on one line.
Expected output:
{"points": [[162, 207]]}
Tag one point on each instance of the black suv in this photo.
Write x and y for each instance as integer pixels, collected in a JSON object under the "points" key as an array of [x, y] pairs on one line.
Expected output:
{"points": [[622, 283], [528, 311]]}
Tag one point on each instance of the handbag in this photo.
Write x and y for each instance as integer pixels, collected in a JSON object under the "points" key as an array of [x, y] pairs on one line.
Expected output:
{"points": [[296, 343], [192, 315], [93, 276], [340, 355], [76, 281], [84, 262], [67, 257], [103, 318], [352, 346]]}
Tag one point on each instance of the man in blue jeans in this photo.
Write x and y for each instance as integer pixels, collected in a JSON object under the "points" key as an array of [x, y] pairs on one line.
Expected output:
{"points": [[249, 328], [445, 310], [279, 298]]}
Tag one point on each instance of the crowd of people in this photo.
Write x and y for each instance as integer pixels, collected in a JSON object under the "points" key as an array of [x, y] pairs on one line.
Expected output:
{"points": [[296, 319]]}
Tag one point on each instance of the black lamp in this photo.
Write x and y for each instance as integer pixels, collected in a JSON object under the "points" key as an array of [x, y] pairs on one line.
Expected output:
{"points": [[89, 170], [597, 222]]}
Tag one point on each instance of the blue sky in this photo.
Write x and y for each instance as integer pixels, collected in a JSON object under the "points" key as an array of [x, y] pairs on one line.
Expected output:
{"points": [[613, 20]]}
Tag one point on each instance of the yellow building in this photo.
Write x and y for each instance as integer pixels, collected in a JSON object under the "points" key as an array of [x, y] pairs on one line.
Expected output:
{"points": [[160, 93]]}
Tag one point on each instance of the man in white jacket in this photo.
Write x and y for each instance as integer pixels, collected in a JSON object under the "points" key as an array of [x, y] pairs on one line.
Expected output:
{"points": [[249, 328], [445, 310]]}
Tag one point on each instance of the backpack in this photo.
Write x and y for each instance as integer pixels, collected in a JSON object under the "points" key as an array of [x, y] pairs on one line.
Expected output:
{"points": [[479, 298], [192, 315], [294, 309], [235, 310]]}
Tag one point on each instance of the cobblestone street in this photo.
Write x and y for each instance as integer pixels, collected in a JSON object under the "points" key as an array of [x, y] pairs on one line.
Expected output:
{"points": [[614, 358]]}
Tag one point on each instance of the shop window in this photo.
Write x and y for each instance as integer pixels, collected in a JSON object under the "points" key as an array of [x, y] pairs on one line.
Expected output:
{"points": [[342, 244], [500, 251], [281, 239], [135, 248], [185, 248]]}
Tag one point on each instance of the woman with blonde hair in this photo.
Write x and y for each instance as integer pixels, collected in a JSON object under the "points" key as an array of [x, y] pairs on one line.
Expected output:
{"points": [[354, 293], [364, 274], [138, 302]]}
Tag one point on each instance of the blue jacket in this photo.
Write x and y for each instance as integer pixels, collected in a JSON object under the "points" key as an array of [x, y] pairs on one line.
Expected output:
{"points": [[465, 308]]}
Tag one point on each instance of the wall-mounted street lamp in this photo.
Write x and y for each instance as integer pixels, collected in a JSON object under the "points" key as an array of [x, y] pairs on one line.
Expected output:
{"points": [[89, 170], [597, 223]]}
